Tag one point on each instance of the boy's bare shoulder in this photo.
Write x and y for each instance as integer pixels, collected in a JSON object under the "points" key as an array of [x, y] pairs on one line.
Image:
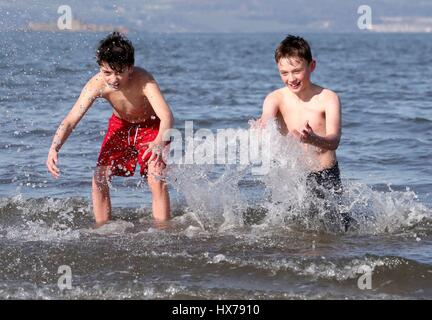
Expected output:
{"points": [[143, 75], [327, 95], [275, 96], [95, 85]]}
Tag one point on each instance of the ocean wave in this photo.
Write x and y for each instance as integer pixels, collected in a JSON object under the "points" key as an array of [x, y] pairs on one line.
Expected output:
{"points": [[328, 268], [45, 219], [146, 291], [337, 270], [420, 120], [377, 213]]}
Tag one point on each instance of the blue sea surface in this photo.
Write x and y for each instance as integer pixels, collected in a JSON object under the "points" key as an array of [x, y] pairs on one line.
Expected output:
{"points": [[218, 81]]}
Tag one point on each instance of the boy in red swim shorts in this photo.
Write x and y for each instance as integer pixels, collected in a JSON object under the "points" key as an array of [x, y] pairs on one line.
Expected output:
{"points": [[136, 129], [125, 144]]}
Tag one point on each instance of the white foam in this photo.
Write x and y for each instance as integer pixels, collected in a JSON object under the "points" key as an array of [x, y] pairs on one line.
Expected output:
{"points": [[112, 228], [216, 203], [39, 231]]}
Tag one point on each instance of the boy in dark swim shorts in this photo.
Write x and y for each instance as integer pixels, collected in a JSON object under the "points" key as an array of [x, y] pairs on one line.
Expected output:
{"points": [[326, 185], [319, 182], [141, 118], [308, 112]]}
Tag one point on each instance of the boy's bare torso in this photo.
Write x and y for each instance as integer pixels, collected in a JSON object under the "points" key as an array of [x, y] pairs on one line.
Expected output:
{"points": [[129, 103], [294, 113]]}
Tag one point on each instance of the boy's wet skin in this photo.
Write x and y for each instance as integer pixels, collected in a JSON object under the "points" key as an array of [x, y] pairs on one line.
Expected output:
{"points": [[135, 132], [310, 113], [306, 111]]}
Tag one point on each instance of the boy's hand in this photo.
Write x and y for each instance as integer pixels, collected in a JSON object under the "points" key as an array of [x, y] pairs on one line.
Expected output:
{"points": [[306, 134], [156, 149], [51, 163], [259, 124]]}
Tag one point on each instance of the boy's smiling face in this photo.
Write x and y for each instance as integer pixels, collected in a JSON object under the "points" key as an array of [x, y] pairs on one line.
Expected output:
{"points": [[296, 72], [113, 78]]}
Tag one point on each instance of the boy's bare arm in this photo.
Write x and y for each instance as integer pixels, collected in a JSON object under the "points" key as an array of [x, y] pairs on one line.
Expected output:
{"points": [[90, 92], [163, 111], [270, 109], [333, 122]]}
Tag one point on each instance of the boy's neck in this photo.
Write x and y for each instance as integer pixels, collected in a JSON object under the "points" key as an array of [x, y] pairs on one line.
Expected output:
{"points": [[307, 93]]}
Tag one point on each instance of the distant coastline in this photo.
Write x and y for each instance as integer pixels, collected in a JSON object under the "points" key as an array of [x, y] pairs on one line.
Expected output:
{"points": [[77, 26], [403, 25], [382, 24]]}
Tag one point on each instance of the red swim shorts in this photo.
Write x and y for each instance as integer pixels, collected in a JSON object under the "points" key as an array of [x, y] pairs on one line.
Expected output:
{"points": [[123, 145]]}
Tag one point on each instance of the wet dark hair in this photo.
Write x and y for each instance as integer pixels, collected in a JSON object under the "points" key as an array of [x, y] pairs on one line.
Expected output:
{"points": [[293, 46], [117, 51]]}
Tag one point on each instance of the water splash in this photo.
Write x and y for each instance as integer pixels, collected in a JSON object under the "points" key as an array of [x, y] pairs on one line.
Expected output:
{"points": [[215, 203], [214, 197]]}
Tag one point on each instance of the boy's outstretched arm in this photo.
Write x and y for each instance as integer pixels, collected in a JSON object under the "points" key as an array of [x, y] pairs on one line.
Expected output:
{"points": [[270, 109], [90, 92], [163, 112]]}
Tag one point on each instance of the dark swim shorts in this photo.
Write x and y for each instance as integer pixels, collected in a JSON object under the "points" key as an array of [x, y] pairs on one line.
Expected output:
{"points": [[326, 184]]}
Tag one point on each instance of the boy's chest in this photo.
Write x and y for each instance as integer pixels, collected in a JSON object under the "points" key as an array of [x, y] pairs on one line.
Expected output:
{"points": [[128, 102], [295, 116]]}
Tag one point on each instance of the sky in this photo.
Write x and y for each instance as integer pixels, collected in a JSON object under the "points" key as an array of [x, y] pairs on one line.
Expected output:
{"points": [[224, 15]]}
